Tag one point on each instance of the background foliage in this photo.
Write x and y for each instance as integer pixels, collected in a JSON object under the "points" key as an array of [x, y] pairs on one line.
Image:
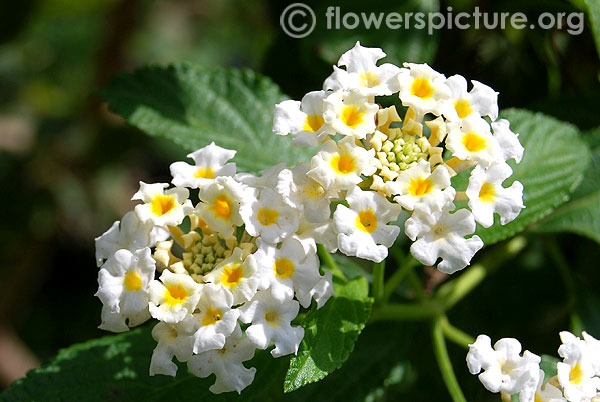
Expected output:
{"points": [[68, 167]]}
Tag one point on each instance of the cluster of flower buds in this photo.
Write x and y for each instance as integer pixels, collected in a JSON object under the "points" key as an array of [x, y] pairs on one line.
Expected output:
{"points": [[506, 370], [381, 163], [224, 259]]}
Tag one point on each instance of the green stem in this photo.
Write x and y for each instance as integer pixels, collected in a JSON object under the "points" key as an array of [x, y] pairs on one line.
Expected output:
{"points": [[441, 354], [563, 269], [393, 281], [406, 312], [416, 284], [378, 279], [567, 277], [330, 262], [452, 292], [456, 335]]}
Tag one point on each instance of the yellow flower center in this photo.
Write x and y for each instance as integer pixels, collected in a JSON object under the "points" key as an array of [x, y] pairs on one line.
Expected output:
{"points": [[313, 123], [284, 268], [313, 190], [439, 232], [271, 318], [161, 204], [539, 398], [343, 164], [212, 316], [366, 221], [487, 193], [132, 281], [369, 80], [351, 116], [267, 216], [463, 108], [473, 142], [576, 375], [222, 207], [175, 294], [421, 88], [419, 187], [204, 173], [232, 275]]}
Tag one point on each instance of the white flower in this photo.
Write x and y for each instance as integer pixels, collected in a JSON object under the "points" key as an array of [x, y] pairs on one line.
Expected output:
{"points": [[269, 217], [510, 147], [473, 141], [217, 319], [130, 233], [424, 89], [287, 270], [363, 74], [267, 177], [220, 206], [310, 233], [482, 100], [547, 392], [305, 194], [226, 364], [304, 120], [173, 297], [321, 292], [487, 196], [123, 285], [442, 234], [173, 340], [350, 113], [120, 322], [505, 369], [363, 229], [236, 274], [209, 162], [162, 207], [417, 185], [576, 373], [593, 350], [271, 321], [340, 166]]}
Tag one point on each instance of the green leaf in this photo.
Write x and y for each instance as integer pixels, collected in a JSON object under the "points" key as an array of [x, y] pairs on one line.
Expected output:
{"points": [[193, 106], [594, 14], [330, 334], [377, 370], [581, 215], [548, 365], [401, 45], [115, 368], [553, 164]]}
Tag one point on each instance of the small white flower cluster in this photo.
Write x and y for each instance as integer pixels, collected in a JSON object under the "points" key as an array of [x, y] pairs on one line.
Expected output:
{"points": [[506, 370], [380, 163], [233, 270]]}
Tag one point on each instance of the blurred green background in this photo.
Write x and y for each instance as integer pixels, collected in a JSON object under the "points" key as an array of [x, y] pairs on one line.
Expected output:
{"points": [[68, 166]]}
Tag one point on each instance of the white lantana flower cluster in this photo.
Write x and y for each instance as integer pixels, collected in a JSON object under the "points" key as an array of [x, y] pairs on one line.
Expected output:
{"points": [[223, 277], [506, 370], [224, 260], [381, 164]]}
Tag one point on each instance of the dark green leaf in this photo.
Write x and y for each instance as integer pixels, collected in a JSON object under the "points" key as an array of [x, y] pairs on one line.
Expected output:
{"points": [[594, 14], [193, 106], [581, 215], [330, 334], [115, 368]]}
